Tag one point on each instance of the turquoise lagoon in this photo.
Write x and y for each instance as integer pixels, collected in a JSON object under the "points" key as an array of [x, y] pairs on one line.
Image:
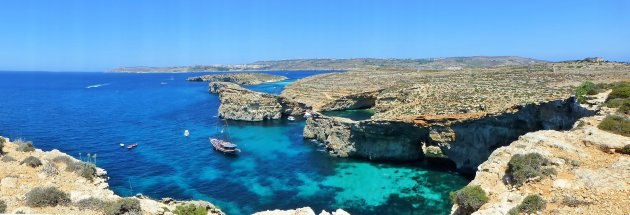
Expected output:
{"points": [[81, 113]]}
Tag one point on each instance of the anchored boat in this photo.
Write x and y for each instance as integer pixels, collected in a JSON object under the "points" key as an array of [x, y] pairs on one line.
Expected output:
{"points": [[222, 145]]}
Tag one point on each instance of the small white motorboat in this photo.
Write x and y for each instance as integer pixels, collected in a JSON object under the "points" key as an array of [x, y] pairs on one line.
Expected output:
{"points": [[186, 133], [291, 118], [122, 145]]}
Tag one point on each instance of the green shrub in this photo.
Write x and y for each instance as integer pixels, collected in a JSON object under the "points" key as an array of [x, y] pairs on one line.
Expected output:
{"points": [[86, 170], [123, 206], [616, 124], [91, 203], [1, 147], [190, 209], [25, 146], [530, 205], [2, 140], [583, 89], [624, 108], [46, 196], [626, 149], [3, 207], [7, 158], [31, 161], [615, 103], [49, 169], [469, 199], [620, 91], [527, 166]]}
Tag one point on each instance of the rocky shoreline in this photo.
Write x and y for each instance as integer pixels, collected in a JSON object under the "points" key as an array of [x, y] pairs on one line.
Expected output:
{"points": [[87, 192], [589, 172], [239, 78]]}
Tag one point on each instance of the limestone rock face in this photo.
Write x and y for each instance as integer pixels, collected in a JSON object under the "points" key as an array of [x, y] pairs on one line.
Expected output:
{"points": [[468, 141], [589, 179], [353, 101], [238, 103], [17, 180], [239, 78], [301, 211]]}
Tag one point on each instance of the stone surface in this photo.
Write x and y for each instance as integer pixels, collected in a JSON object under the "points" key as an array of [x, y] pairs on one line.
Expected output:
{"points": [[17, 180], [239, 78], [589, 180]]}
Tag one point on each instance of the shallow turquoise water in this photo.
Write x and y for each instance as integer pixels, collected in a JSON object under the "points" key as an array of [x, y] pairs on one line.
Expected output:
{"points": [[278, 169]]}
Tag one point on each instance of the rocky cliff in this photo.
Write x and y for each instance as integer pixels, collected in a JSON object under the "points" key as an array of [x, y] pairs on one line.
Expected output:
{"points": [[301, 211], [238, 103], [88, 193], [467, 141], [592, 176], [240, 78]]}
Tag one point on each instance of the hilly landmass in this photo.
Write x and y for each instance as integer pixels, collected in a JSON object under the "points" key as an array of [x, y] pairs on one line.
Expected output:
{"points": [[450, 63]]}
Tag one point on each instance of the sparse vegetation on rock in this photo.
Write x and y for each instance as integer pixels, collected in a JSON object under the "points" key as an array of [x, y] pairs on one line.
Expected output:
{"points": [[126, 206], [525, 167], [190, 209], [24, 146], [31, 161], [2, 142], [3, 206], [86, 170], [586, 88], [46, 196], [91, 203], [530, 205], [469, 199], [626, 149], [617, 124], [7, 158], [49, 169]]}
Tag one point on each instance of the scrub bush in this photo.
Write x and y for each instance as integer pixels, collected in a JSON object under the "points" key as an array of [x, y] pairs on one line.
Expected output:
{"points": [[24, 146], [86, 170], [616, 124], [523, 167], [7, 158], [469, 199], [123, 206], [530, 205], [585, 88], [190, 209], [620, 91], [50, 169], [91, 203], [3, 207], [31, 161], [626, 149], [46, 196]]}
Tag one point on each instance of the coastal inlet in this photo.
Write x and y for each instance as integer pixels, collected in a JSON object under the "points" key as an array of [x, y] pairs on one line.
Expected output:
{"points": [[277, 168]]}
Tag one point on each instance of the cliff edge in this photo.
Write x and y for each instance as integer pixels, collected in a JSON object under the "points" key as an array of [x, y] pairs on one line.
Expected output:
{"points": [[52, 182], [585, 173]]}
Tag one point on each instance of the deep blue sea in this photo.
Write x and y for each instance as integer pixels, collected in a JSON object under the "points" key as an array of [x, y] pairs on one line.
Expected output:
{"points": [[80, 113]]}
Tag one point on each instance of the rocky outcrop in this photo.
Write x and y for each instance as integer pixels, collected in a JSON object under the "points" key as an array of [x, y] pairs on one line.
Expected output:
{"points": [[238, 103], [301, 211], [240, 78], [16, 180], [592, 177], [350, 102], [467, 141]]}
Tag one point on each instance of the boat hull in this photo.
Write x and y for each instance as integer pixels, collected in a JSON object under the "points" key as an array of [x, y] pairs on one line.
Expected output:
{"points": [[216, 143]]}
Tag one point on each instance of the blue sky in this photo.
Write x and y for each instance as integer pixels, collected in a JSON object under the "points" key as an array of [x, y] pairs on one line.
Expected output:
{"points": [[102, 34]]}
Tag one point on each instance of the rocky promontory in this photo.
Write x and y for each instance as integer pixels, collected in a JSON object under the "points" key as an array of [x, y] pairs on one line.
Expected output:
{"points": [[239, 78], [585, 172], [238, 103], [33, 181], [301, 211]]}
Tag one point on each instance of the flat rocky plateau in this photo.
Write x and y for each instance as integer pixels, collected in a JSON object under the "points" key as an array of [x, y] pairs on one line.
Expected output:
{"points": [[239, 78]]}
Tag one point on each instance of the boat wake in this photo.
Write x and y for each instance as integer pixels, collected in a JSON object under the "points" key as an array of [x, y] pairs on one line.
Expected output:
{"points": [[96, 86]]}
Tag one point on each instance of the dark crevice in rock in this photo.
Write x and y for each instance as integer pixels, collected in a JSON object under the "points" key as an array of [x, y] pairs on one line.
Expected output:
{"points": [[466, 142]]}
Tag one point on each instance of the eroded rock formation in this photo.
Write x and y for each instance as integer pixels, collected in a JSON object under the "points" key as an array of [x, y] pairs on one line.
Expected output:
{"points": [[238, 103], [239, 78], [467, 141]]}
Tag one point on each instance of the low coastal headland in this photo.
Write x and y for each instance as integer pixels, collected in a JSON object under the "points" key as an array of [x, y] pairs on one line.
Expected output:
{"points": [[52, 182], [240, 78]]}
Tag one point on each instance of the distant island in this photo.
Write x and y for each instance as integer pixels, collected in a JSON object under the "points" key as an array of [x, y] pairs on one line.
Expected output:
{"points": [[449, 63]]}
